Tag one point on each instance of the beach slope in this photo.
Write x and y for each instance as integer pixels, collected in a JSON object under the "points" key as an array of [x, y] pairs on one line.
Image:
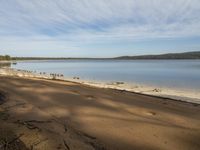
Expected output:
{"points": [[46, 114]]}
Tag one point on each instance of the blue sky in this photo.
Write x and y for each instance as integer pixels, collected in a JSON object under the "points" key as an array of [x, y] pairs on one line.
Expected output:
{"points": [[98, 28]]}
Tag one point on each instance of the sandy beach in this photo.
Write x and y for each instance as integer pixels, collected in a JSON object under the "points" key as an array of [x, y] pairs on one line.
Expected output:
{"points": [[46, 114], [99, 75]]}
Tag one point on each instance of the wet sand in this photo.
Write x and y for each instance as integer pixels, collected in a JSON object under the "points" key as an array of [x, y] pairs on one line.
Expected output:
{"points": [[65, 115]]}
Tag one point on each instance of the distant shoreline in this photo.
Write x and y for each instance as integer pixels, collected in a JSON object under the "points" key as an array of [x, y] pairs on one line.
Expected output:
{"points": [[169, 56]]}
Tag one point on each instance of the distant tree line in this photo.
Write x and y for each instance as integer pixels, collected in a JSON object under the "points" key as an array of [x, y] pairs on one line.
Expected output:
{"points": [[5, 57], [37, 58], [186, 55]]}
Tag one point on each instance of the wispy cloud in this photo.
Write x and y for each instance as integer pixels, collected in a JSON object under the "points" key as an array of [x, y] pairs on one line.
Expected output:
{"points": [[74, 22]]}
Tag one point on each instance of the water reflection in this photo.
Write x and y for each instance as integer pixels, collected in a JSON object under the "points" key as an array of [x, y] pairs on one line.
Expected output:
{"points": [[184, 74]]}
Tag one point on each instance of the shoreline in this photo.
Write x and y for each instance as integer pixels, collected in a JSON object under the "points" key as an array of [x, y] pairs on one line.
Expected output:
{"points": [[166, 93]]}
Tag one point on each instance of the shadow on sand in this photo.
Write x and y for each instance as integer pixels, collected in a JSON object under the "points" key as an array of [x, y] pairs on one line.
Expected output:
{"points": [[73, 116]]}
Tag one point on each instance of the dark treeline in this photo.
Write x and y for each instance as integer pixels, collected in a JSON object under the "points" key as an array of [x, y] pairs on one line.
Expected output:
{"points": [[56, 58], [5, 57], [186, 55], [35, 58]]}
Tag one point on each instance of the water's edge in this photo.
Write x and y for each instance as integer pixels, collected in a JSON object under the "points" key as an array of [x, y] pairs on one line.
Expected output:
{"points": [[174, 94]]}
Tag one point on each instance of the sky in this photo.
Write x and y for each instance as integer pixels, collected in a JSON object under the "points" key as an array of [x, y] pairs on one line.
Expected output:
{"points": [[98, 28]]}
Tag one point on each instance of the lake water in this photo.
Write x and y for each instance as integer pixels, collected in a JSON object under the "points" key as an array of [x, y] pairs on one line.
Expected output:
{"points": [[161, 73]]}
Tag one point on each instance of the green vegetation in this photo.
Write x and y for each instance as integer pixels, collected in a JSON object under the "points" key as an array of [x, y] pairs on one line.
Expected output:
{"points": [[186, 55], [6, 57], [38, 58]]}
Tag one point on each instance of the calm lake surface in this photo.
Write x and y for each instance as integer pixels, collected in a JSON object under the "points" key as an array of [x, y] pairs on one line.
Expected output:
{"points": [[161, 73]]}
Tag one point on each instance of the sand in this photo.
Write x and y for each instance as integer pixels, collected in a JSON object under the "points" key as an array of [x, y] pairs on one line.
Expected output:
{"points": [[187, 95], [65, 115]]}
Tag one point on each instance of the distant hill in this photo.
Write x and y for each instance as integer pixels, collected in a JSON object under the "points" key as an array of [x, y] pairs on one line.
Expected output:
{"points": [[186, 55]]}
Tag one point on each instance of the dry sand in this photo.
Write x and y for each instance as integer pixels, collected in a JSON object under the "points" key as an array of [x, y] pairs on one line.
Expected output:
{"points": [[65, 115]]}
